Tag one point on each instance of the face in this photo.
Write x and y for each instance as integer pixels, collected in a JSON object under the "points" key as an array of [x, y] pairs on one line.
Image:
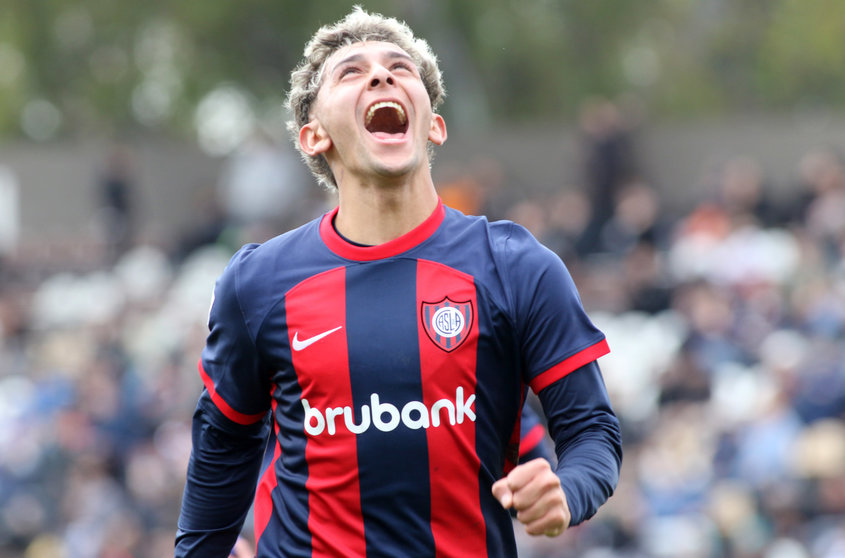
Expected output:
{"points": [[372, 115]]}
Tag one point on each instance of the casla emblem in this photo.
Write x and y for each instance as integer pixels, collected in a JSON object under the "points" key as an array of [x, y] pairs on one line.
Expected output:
{"points": [[447, 322]]}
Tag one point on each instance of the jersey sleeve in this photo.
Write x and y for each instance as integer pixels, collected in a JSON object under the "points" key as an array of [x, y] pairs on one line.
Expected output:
{"points": [[230, 367], [555, 334], [559, 346], [588, 439], [230, 425], [220, 484]]}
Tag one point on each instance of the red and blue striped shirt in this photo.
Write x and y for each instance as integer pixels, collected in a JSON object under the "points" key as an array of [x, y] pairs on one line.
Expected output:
{"points": [[393, 379]]}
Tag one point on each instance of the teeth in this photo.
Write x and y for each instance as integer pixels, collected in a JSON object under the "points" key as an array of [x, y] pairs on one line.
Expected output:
{"points": [[386, 104]]}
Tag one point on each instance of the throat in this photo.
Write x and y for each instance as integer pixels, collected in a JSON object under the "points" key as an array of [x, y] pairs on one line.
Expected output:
{"points": [[350, 241], [372, 218]]}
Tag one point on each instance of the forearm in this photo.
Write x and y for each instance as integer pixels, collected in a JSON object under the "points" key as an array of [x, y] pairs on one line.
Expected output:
{"points": [[220, 486], [588, 471], [587, 438]]}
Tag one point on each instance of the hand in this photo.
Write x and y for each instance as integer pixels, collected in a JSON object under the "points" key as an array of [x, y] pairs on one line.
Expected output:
{"points": [[533, 490]]}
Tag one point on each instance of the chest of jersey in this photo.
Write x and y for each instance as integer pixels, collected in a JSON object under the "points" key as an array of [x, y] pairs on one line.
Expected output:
{"points": [[384, 345], [386, 395]]}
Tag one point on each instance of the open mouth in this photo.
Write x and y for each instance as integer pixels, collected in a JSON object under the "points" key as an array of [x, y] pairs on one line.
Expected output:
{"points": [[386, 119]]}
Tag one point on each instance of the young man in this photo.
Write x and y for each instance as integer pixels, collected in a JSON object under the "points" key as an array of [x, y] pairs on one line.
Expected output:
{"points": [[389, 346]]}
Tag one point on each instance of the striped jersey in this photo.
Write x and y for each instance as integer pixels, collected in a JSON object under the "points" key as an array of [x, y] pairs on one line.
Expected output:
{"points": [[394, 376]]}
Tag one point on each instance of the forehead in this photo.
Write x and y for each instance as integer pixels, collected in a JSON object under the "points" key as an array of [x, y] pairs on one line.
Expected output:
{"points": [[364, 50]]}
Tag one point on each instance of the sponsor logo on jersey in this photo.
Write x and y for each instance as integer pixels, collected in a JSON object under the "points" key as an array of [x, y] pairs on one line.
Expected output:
{"points": [[387, 417], [447, 323]]}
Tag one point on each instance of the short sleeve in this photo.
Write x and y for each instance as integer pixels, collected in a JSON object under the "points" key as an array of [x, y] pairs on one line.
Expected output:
{"points": [[230, 366], [555, 334]]}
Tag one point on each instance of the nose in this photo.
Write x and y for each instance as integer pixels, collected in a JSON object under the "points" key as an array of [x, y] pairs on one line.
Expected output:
{"points": [[381, 75]]}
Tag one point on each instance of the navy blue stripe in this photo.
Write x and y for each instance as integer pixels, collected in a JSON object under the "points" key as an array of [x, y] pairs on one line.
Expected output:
{"points": [[383, 338]]}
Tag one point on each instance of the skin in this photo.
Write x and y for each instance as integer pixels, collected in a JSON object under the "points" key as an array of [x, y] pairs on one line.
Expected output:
{"points": [[384, 184], [385, 189], [534, 491], [242, 549]]}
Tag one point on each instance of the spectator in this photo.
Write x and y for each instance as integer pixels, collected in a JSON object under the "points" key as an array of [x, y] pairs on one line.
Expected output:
{"points": [[116, 202]]}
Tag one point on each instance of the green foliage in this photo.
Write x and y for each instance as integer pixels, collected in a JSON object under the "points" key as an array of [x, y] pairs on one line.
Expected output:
{"points": [[116, 66]]}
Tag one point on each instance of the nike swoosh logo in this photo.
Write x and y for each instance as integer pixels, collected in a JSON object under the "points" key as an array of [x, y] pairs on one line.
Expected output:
{"points": [[299, 344]]}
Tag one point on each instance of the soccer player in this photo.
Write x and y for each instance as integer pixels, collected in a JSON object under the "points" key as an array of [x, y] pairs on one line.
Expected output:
{"points": [[389, 346]]}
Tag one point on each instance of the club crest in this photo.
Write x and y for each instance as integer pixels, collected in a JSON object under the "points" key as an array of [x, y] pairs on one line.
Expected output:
{"points": [[447, 322]]}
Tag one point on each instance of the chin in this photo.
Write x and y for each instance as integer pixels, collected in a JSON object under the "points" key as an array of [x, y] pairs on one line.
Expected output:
{"points": [[395, 169]]}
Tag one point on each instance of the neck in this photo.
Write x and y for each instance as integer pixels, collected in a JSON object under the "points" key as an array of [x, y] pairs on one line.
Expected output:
{"points": [[373, 214]]}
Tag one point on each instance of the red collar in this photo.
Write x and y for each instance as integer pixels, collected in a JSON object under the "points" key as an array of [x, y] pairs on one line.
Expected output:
{"points": [[344, 249]]}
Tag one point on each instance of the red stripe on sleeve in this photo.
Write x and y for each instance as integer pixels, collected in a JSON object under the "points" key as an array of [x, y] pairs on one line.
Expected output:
{"points": [[457, 522], [532, 439], [225, 408], [564, 367], [316, 314]]}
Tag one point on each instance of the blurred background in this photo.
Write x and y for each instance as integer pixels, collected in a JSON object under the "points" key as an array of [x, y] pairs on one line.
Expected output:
{"points": [[683, 157]]}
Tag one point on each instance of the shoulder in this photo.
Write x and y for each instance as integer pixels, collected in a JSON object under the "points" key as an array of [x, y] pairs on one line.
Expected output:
{"points": [[512, 251], [531, 272], [255, 263], [257, 271], [514, 245], [501, 235]]}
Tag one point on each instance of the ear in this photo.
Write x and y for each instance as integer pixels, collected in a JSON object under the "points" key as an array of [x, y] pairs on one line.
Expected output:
{"points": [[313, 139], [437, 132]]}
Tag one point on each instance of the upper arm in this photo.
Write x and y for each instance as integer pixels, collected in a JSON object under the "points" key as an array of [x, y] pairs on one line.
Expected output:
{"points": [[231, 368], [554, 333]]}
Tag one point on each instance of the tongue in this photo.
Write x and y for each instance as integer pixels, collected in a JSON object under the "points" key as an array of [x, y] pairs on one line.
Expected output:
{"points": [[385, 135]]}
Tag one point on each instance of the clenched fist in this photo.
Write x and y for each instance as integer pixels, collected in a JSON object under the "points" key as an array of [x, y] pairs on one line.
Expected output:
{"points": [[533, 490]]}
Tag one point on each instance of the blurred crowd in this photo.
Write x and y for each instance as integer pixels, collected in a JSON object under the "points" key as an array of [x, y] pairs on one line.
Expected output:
{"points": [[727, 329], [726, 322]]}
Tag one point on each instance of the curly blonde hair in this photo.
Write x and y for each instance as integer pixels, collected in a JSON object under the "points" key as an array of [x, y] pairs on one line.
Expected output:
{"points": [[358, 26]]}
